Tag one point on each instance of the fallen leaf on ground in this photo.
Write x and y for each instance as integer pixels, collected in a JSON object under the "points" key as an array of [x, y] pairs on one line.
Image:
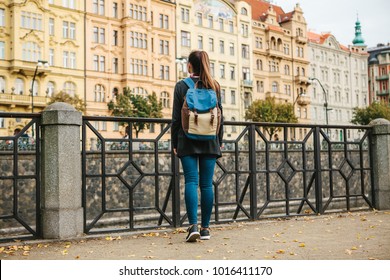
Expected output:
{"points": [[65, 252], [280, 252], [302, 245]]}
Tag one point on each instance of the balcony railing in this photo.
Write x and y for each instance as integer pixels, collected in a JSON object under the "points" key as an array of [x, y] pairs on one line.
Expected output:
{"points": [[301, 79], [382, 77], [23, 100], [383, 92], [247, 83]]}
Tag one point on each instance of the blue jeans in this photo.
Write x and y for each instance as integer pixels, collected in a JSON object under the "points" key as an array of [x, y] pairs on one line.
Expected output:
{"points": [[203, 178]]}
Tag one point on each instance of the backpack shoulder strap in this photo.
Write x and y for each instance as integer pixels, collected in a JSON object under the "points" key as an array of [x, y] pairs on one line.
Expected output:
{"points": [[189, 82]]}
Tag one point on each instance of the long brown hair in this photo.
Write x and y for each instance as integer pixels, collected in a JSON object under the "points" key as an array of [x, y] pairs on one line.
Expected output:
{"points": [[201, 66]]}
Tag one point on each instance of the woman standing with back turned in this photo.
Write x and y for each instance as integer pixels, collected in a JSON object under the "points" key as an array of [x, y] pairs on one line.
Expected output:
{"points": [[198, 158]]}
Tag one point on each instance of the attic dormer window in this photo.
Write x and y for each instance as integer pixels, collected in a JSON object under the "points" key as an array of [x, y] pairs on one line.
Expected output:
{"points": [[244, 11]]}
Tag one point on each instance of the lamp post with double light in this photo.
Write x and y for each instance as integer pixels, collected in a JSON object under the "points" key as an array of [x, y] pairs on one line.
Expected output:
{"points": [[41, 63]]}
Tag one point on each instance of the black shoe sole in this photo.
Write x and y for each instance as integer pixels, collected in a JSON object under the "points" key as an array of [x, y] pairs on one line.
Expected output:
{"points": [[192, 237]]}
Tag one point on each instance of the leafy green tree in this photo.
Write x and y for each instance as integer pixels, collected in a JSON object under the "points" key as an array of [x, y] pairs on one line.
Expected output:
{"points": [[269, 111], [137, 106], [75, 101], [364, 116]]}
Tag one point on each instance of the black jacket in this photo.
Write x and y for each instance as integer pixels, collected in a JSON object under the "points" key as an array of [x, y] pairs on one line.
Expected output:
{"points": [[183, 145]]}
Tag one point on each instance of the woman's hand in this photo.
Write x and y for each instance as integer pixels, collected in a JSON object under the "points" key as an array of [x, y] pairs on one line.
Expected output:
{"points": [[174, 151]]}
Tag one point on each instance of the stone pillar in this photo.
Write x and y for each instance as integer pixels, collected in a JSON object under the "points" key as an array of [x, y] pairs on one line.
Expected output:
{"points": [[62, 213], [381, 163]]}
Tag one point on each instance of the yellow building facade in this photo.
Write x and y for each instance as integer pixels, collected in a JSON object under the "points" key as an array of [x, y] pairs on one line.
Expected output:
{"points": [[32, 31]]}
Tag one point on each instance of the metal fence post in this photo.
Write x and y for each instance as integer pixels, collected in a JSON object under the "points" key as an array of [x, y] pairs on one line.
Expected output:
{"points": [[175, 191], [317, 165], [381, 163], [62, 213], [252, 171]]}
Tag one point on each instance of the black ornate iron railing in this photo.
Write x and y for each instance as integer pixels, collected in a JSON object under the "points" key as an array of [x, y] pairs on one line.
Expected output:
{"points": [[20, 182], [134, 183]]}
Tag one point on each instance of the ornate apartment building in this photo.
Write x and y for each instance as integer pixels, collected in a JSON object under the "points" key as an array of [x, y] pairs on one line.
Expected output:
{"points": [[279, 42], [379, 73], [340, 81], [30, 31], [129, 44]]}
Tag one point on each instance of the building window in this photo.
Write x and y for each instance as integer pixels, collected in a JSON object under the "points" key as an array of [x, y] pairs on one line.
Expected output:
{"points": [[137, 12], [245, 51], [220, 21], [115, 65], [222, 71], [138, 40], [69, 59], [185, 39], [2, 50], [200, 42], [140, 91], [31, 20], [164, 21], [275, 87], [19, 86], [259, 43], [211, 44], [138, 67], [31, 52], [69, 4], [244, 30], [68, 30], [70, 88], [222, 47], [232, 73], [212, 69], [223, 96], [102, 36], [164, 98], [199, 19], [2, 17], [115, 10], [244, 11], [231, 27], [210, 20], [286, 70], [99, 93], [233, 97], [51, 26], [245, 73], [259, 64], [2, 84], [185, 15], [50, 89], [115, 38], [231, 49]]}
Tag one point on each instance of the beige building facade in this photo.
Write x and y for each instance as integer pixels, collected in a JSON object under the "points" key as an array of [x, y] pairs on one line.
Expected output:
{"points": [[340, 82]]}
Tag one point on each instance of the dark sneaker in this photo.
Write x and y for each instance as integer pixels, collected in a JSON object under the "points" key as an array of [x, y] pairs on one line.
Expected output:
{"points": [[204, 234], [193, 233]]}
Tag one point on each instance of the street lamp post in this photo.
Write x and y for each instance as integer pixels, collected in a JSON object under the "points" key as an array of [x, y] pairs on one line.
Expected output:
{"points": [[40, 63], [326, 99]]}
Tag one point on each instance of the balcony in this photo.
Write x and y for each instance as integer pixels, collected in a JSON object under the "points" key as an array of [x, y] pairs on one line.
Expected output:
{"points": [[303, 100], [382, 78], [27, 68], [14, 100], [383, 92], [301, 79], [301, 39], [275, 53], [247, 83]]}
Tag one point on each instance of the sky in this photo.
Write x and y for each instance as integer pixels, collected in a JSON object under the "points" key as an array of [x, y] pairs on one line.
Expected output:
{"points": [[339, 17]]}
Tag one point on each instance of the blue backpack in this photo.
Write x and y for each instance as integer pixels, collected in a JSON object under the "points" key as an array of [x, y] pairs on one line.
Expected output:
{"points": [[200, 114]]}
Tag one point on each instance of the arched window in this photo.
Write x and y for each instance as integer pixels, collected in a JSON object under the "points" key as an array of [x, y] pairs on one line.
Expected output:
{"points": [[70, 88], [164, 98], [100, 93], [2, 84], [244, 11], [115, 91], [259, 64], [35, 88], [50, 89], [19, 86], [273, 43], [274, 87]]}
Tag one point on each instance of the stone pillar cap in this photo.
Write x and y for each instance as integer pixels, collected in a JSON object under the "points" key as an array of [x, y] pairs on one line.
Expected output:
{"points": [[60, 106], [380, 121]]}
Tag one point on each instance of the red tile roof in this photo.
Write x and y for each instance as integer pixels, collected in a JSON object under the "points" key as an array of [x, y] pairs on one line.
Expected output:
{"points": [[260, 8], [317, 38]]}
